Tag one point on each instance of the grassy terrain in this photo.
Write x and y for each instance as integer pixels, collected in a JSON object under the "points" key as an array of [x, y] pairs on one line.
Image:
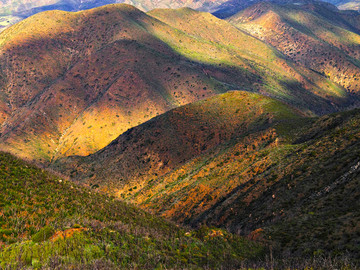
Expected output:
{"points": [[167, 141], [243, 162], [48, 222]]}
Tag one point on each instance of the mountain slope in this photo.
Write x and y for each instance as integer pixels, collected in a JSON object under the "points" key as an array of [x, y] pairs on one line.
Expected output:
{"points": [[264, 169], [14, 11], [121, 76], [163, 143], [309, 38], [349, 5], [73, 82], [231, 7], [47, 222]]}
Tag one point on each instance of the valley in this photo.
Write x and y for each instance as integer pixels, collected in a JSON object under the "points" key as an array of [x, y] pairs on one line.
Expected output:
{"points": [[203, 141]]}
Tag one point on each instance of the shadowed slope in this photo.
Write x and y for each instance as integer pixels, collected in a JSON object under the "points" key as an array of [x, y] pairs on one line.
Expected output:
{"points": [[307, 196], [242, 161]]}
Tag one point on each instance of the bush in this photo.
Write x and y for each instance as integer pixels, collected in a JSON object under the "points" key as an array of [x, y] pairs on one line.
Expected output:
{"points": [[44, 234]]}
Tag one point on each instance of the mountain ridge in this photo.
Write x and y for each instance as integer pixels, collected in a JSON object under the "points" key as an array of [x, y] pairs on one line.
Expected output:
{"points": [[260, 177], [62, 96]]}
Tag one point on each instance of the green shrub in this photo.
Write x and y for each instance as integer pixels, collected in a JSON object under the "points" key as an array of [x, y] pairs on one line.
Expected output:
{"points": [[92, 252], [44, 234]]}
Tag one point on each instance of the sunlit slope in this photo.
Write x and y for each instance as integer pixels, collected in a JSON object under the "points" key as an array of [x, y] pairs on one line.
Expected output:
{"points": [[73, 82], [312, 36], [233, 49], [352, 5], [144, 153], [244, 162], [48, 222]]}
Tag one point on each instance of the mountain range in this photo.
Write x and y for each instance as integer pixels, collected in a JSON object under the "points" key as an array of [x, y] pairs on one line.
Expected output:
{"points": [[14, 11], [246, 125], [62, 96]]}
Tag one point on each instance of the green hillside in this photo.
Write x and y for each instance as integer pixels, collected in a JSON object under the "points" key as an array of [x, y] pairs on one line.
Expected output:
{"points": [[48, 222]]}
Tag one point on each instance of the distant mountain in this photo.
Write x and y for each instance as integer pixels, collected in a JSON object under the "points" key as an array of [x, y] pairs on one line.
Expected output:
{"points": [[240, 161], [14, 11], [29, 7], [73, 82], [312, 36], [349, 5], [231, 7]]}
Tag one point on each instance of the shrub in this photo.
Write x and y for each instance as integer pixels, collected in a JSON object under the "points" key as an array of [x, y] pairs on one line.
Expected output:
{"points": [[44, 234]]}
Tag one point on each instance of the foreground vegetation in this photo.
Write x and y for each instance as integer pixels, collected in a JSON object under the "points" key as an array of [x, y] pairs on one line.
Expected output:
{"points": [[48, 222]]}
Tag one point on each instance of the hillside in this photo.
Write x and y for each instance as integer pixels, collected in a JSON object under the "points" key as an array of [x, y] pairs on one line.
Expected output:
{"points": [[312, 37], [73, 82], [14, 11], [17, 10], [50, 223], [349, 5], [57, 92], [167, 141], [231, 7], [261, 170]]}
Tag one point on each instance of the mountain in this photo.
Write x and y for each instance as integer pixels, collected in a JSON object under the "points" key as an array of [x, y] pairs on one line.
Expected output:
{"points": [[73, 82], [231, 7], [141, 107], [14, 11], [349, 5], [48, 222], [169, 140], [244, 162], [55, 85], [30, 7], [313, 37]]}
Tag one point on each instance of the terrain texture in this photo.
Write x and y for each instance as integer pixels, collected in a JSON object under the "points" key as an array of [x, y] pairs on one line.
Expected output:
{"points": [[243, 162], [245, 128], [73, 82], [48, 222]]}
